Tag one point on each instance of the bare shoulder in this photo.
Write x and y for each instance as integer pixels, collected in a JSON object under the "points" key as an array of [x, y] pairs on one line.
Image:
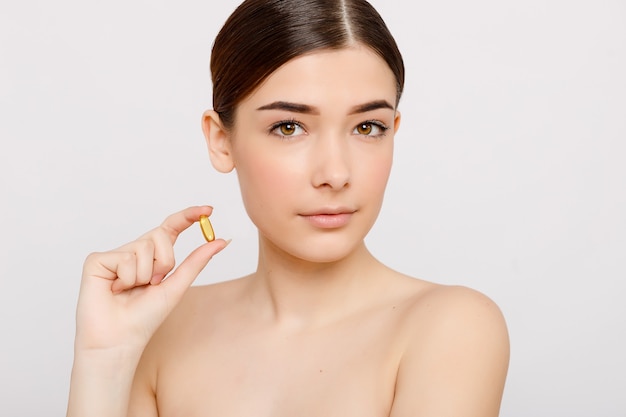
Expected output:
{"points": [[456, 354], [455, 308], [457, 317], [438, 307]]}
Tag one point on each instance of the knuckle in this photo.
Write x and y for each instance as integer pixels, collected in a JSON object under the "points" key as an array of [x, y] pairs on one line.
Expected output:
{"points": [[95, 258], [165, 262], [168, 262], [127, 257], [91, 262], [162, 231], [144, 245], [166, 230], [92, 257]]}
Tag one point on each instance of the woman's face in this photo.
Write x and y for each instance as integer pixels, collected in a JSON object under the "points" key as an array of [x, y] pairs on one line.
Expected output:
{"points": [[313, 147]]}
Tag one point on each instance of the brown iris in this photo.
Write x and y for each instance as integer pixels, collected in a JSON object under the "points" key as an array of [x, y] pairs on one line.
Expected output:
{"points": [[288, 129], [364, 128]]}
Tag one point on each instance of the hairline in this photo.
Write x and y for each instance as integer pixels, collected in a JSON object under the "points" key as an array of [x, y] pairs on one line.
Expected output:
{"points": [[351, 43]]}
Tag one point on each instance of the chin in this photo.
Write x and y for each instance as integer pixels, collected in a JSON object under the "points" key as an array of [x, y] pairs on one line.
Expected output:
{"points": [[321, 258], [323, 252]]}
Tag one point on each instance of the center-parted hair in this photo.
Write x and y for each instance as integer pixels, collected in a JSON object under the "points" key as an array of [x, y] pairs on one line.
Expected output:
{"points": [[262, 35]]}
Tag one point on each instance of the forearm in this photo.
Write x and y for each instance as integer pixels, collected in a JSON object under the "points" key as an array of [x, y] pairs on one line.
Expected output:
{"points": [[101, 383]]}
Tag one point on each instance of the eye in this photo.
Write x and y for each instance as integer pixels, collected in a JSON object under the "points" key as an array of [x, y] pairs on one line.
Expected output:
{"points": [[370, 128], [287, 128]]}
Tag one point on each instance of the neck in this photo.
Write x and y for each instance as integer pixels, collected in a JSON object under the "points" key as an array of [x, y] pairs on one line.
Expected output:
{"points": [[298, 293]]}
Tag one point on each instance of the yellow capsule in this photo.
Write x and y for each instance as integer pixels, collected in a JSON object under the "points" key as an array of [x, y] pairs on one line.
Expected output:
{"points": [[207, 228]]}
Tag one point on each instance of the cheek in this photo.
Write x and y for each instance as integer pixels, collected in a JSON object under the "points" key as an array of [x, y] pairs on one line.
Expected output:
{"points": [[264, 180], [377, 169]]}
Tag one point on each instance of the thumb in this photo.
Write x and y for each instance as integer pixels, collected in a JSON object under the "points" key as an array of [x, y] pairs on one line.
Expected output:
{"points": [[181, 279]]}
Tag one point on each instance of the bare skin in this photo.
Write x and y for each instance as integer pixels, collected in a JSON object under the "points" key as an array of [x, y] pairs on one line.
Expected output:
{"points": [[321, 328], [384, 351]]}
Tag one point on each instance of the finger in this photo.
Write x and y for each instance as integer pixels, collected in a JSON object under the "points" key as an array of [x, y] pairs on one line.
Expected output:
{"points": [[144, 251], [107, 265], [126, 270], [163, 256], [177, 222], [101, 265], [100, 272], [182, 278]]}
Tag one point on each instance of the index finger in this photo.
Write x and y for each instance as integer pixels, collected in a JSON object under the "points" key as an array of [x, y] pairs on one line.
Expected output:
{"points": [[176, 223]]}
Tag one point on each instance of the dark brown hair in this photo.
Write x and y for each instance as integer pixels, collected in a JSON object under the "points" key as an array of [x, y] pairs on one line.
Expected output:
{"points": [[262, 35]]}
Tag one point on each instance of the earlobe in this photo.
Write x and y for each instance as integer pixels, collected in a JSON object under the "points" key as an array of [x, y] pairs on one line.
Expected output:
{"points": [[218, 142]]}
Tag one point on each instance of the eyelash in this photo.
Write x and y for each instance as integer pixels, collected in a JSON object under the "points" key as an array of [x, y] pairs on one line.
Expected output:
{"points": [[277, 125], [375, 124]]}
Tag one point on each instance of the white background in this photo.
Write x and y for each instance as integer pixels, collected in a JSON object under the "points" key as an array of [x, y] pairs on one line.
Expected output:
{"points": [[509, 175]]}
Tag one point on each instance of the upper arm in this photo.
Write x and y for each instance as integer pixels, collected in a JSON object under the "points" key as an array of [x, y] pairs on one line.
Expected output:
{"points": [[456, 359]]}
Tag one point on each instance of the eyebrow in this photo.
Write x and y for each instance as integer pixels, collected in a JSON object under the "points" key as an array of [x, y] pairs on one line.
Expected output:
{"points": [[370, 106], [292, 107], [306, 109]]}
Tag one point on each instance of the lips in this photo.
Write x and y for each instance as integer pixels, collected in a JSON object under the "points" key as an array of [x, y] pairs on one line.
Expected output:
{"points": [[329, 218]]}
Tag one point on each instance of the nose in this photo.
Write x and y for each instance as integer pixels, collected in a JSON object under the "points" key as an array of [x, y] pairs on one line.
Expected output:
{"points": [[331, 163]]}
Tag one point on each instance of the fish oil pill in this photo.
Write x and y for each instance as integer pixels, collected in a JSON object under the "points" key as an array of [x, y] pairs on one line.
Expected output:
{"points": [[207, 228]]}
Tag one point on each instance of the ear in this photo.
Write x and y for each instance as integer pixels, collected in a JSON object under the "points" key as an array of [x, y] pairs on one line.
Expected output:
{"points": [[396, 122], [218, 141]]}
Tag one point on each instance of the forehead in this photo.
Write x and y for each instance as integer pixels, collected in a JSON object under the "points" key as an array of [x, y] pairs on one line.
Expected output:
{"points": [[345, 76]]}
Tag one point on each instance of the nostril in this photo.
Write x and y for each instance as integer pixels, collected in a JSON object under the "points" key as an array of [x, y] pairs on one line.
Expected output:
{"points": [[336, 182], [331, 163]]}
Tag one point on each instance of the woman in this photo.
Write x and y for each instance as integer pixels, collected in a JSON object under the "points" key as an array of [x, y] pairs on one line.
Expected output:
{"points": [[305, 110]]}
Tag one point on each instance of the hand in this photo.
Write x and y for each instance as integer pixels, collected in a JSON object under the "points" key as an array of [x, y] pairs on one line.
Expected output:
{"points": [[124, 296]]}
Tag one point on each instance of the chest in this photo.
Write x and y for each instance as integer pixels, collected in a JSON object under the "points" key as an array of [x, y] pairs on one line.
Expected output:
{"points": [[339, 371]]}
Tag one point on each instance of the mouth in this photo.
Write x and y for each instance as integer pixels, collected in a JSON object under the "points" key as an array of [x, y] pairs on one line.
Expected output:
{"points": [[329, 218]]}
